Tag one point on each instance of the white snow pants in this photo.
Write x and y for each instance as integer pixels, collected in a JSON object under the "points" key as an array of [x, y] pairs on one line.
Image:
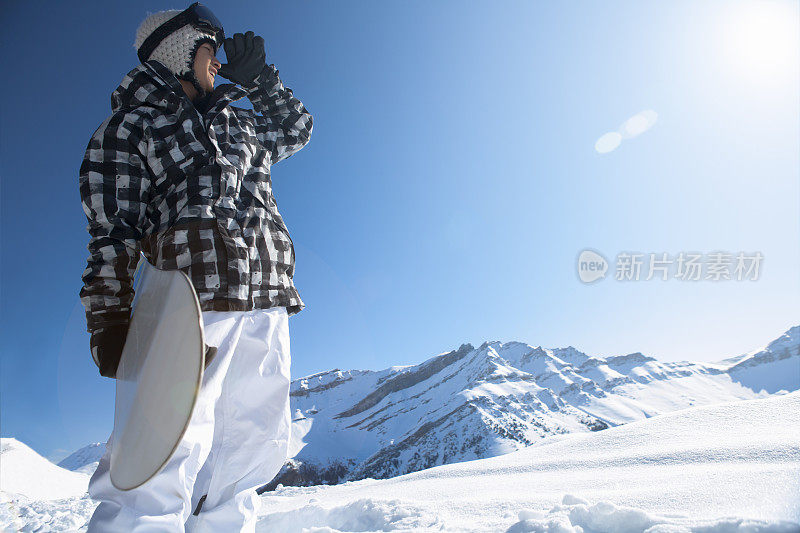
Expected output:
{"points": [[237, 439]]}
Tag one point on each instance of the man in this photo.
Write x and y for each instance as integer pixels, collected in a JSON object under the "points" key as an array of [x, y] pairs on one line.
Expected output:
{"points": [[182, 176]]}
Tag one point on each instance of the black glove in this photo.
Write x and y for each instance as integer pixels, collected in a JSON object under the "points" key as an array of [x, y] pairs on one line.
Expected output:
{"points": [[246, 58], [211, 351], [106, 346]]}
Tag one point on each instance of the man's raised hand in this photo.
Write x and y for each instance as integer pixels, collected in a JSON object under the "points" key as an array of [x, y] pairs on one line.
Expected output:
{"points": [[246, 58]]}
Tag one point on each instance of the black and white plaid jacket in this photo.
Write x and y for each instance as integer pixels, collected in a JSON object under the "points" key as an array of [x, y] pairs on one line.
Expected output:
{"points": [[191, 191]]}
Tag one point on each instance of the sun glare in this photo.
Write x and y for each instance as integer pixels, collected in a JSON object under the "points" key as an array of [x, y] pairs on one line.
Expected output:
{"points": [[762, 40]]}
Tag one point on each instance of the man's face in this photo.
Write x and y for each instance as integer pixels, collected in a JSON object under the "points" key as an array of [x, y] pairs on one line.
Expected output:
{"points": [[206, 66]]}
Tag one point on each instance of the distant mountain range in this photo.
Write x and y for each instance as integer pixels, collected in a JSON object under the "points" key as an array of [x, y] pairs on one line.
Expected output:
{"points": [[84, 460], [472, 403]]}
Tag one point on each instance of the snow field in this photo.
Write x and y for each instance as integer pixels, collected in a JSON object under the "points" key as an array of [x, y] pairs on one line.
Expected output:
{"points": [[724, 468]]}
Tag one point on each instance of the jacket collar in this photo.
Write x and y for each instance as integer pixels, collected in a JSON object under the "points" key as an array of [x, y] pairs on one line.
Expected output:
{"points": [[151, 84]]}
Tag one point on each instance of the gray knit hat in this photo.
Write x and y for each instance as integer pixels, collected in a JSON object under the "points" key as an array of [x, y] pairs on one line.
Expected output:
{"points": [[177, 50]]}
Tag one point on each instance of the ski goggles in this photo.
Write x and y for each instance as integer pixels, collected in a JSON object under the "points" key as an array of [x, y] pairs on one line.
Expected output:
{"points": [[197, 15]]}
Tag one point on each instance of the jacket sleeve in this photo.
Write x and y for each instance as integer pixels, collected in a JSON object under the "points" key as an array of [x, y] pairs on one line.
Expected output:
{"points": [[283, 125], [114, 187]]}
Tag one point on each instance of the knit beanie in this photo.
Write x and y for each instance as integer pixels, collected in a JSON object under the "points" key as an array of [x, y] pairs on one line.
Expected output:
{"points": [[177, 50]]}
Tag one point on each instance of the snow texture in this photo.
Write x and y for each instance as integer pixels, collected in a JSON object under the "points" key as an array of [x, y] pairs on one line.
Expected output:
{"points": [[25, 472], [476, 403], [724, 468]]}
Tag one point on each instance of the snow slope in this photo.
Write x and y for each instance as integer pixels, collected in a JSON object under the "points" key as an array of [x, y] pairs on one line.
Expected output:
{"points": [[726, 468], [691, 469], [774, 368], [86, 459], [24, 472], [475, 403]]}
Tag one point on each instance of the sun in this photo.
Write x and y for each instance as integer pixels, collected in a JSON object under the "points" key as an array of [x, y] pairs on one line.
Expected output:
{"points": [[761, 40]]}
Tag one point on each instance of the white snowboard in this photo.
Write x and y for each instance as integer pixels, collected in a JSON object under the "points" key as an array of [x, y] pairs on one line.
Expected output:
{"points": [[158, 377]]}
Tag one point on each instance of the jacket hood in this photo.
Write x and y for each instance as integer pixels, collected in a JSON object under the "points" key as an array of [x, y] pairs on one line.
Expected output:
{"points": [[151, 84]]}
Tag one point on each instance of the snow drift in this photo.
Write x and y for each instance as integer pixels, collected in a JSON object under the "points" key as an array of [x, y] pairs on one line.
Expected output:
{"points": [[731, 467], [25, 473]]}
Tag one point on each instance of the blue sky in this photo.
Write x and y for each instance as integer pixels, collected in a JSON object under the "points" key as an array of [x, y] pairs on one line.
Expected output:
{"points": [[450, 183]]}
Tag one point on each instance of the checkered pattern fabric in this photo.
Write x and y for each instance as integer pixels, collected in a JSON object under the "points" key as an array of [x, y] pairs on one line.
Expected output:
{"points": [[192, 191]]}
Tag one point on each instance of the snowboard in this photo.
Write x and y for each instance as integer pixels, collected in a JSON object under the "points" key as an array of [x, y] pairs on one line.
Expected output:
{"points": [[159, 375]]}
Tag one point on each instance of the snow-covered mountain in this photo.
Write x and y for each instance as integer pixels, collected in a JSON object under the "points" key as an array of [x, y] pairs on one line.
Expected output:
{"points": [[480, 402], [85, 460], [773, 368], [25, 473], [726, 468], [732, 466], [475, 403]]}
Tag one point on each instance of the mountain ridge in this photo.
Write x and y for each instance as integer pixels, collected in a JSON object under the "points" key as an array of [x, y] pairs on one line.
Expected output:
{"points": [[382, 423], [471, 403]]}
